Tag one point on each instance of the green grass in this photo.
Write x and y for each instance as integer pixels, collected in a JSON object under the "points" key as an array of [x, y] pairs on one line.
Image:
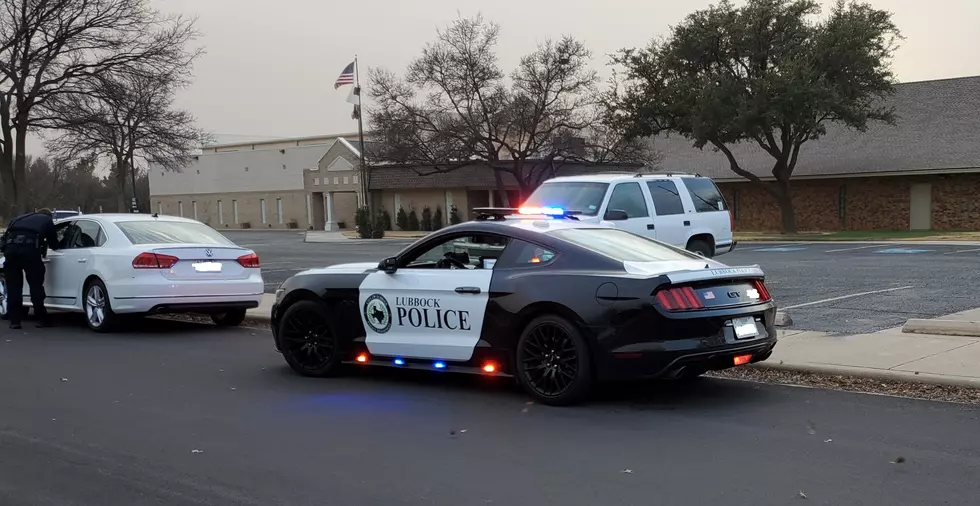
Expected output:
{"points": [[863, 235]]}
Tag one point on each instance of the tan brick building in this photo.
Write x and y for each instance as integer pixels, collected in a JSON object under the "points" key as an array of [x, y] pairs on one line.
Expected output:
{"points": [[922, 173]]}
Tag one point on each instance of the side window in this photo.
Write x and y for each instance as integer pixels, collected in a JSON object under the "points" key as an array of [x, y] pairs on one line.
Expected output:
{"points": [[666, 200], [525, 254], [64, 231], [479, 251], [87, 236], [705, 194], [628, 197]]}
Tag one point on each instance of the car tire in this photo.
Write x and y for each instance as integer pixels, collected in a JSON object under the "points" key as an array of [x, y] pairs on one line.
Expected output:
{"points": [[4, 303], [232, 318], [307, 339], [700, 247], [543, 344], [97, 309]]}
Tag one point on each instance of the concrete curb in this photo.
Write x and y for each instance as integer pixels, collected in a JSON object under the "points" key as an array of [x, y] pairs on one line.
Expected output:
{"points": [[942, 327], [879, 374]]}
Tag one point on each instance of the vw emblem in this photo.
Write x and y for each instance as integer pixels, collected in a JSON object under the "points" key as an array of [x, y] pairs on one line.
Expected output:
{"points": [[209, 253]]}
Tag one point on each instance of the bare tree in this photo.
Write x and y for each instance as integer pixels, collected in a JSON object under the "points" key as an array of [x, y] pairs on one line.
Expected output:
{"points": [[128, 117], [454, 108], [51, 48]]}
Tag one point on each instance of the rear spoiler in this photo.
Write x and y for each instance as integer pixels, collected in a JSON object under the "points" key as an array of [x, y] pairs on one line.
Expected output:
{"points": [[688, 276]]}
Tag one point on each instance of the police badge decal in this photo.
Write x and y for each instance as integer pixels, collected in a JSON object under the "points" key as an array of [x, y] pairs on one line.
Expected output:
{"points": [[377, 313]]}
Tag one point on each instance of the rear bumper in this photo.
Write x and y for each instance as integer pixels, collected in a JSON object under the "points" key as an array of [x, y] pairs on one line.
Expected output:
{"points": [[725, 248], [703, 346], [188, 304]]}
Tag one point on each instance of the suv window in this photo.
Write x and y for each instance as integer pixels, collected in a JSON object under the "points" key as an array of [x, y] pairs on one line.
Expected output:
{"points": [[666, 200], [621, 245], [628, 197], [583, 197], [705, 194]]}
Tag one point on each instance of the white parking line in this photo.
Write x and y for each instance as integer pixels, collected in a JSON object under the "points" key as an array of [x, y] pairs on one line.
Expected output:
{"points": [[842, 297], [851, 249], [961, 251]]}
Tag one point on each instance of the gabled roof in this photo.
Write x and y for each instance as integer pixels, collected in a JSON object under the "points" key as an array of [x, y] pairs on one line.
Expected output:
{"points": [[937, 130]]}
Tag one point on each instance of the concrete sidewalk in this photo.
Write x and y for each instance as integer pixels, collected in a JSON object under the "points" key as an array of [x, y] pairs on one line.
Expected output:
{"points": [[889, 354]]}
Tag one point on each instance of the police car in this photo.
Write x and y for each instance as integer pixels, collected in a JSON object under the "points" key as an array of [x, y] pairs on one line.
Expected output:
{"points": [[533, 294]]}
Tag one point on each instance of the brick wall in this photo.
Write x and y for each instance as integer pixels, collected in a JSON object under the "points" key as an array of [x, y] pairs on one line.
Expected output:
{"points": [[872, 203], [249, 208]]}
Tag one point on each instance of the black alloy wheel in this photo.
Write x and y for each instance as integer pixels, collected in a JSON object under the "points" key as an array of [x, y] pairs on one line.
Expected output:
{"points": [[553, 363], [307, 340]]}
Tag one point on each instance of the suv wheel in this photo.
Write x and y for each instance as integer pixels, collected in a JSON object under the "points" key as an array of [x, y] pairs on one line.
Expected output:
{"points": [[700, 247]]}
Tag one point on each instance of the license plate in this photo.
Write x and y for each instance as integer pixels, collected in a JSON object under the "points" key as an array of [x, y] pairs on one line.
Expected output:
{"points": [[207, 267], [745, 327]]}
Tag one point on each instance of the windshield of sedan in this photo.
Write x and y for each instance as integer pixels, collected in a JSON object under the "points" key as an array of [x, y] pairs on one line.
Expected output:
{"points": [[171, 232], [583, 197], [622, 246]]}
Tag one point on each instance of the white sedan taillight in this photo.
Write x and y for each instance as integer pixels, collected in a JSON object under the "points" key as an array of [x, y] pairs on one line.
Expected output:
{"points": [[154, 261]]}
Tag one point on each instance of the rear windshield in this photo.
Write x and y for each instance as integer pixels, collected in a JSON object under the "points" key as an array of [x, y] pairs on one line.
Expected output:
{"points": [[622, 246], [170, 232], [571, 196], [705, 194]]}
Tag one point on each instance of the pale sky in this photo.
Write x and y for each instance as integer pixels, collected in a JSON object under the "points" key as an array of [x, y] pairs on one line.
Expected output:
{"points": [[270, 65]]}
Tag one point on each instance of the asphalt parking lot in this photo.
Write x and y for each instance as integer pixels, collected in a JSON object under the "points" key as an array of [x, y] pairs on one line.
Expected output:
{"points": [[183, 414], [845, 288]]}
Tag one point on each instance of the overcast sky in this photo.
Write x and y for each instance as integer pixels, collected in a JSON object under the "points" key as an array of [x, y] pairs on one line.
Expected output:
{"points": [[270, 65]]}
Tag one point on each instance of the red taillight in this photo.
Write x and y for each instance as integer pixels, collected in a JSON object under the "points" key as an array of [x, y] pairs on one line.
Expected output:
{"points": [[679, 299], [249, 261], [761, 288], [154, 261]]}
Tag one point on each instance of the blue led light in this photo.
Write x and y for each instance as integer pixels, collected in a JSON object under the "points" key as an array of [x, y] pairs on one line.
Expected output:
{"points": [[439, 365], [547, 211], [399, 361]]}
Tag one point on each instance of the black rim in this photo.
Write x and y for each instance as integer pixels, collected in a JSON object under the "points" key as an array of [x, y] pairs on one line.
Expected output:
{"points": [[549, 361], [306, 337]]}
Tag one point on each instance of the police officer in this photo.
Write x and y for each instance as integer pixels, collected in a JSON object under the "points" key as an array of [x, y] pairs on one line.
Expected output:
{"points": [[23, 247]]}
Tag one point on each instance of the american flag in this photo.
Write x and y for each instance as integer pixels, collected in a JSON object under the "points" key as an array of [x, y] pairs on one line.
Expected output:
{"points": [[346, 77]]}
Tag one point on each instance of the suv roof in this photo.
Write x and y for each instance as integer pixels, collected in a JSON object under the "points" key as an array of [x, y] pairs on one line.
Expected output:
{"points": [[613, 177]]}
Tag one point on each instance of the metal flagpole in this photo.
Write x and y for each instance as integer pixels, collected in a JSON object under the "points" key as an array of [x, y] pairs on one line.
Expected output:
{"points": [[365, 187]]}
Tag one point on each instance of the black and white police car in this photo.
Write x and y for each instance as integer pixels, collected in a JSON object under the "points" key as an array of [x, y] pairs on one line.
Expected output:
{"points": [[537, 295]]}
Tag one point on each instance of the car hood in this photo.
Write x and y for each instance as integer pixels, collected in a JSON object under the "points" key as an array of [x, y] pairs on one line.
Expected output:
{"points": [[351, 268], [658, 268]]}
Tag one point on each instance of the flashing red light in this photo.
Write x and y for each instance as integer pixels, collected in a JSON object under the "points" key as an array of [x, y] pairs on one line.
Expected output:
{"points": [[249, 261], [362, 358], [154, 261], [742, 359], [489, 367]]}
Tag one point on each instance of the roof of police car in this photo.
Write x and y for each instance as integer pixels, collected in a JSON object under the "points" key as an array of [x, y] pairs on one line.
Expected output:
{"points": [[612, 177]]}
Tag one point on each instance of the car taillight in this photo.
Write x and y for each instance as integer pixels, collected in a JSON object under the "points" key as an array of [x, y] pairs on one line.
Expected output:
{"points": [[679, 299], [249, 261], [154, 261], [761, 288]]}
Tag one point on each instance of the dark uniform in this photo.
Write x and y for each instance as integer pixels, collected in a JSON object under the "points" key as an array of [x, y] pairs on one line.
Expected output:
{"points": [[24, 247]]}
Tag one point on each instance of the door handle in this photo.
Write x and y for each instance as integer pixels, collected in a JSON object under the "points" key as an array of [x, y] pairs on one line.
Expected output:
{"points": [[687, 224], [651, 226], [467, 289], [82, 260]]}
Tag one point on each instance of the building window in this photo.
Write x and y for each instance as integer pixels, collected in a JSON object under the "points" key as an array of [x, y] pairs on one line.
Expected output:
{"points": [[735, 205], [221, 213], [279, 210], [316, 181], [194, 207], [262, 209], [841, 202], [180, 208], [234, 210], [355, 179], [336, 180], [346, 180]]}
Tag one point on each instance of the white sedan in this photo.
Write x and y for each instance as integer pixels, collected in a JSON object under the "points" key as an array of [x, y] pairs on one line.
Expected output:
{"points": [[110, 265]]}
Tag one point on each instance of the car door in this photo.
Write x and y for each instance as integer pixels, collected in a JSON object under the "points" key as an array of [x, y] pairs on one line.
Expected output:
{"points": [[673, 225], [629, 197], [55, 267], [75, 259], [432, 306]]}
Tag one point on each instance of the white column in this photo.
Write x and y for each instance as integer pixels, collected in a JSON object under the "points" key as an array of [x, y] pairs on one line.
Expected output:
{"points": [[330, 225], [309, 210]]}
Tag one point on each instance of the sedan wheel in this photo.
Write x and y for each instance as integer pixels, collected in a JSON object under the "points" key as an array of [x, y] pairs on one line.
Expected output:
{"points": [[307, 340], [98, 312], [553, 363]]}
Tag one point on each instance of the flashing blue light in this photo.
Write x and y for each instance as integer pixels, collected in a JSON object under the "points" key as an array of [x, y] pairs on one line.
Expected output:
{"points": [[547, 211], [399, 361], [439, 365]]}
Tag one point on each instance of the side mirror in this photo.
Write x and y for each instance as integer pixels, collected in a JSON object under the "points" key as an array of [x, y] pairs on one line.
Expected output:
{"points": [[615, 215], [388, 265]]}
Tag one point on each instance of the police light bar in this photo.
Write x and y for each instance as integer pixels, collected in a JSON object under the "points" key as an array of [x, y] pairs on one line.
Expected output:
{"points": [[547, 211]]}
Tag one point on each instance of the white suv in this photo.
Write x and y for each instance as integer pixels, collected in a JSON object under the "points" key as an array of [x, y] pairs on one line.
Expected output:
{"points": [[687, 211]]}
